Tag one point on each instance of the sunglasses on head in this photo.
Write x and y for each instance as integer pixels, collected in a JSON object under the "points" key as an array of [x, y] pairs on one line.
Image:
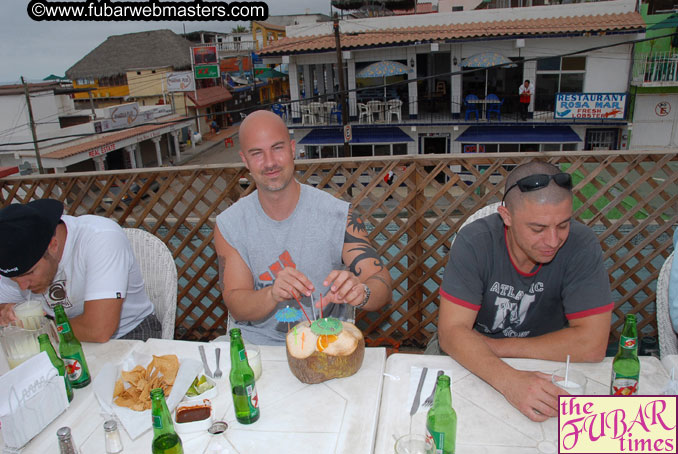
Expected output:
{"points": [[539, 181]]}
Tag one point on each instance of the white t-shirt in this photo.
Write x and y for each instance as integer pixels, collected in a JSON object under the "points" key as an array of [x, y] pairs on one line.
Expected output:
{"points": [[97, 263]]}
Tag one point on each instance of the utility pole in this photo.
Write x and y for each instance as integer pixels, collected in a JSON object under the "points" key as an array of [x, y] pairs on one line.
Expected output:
{"points": [[342, 86], [30, 116]]}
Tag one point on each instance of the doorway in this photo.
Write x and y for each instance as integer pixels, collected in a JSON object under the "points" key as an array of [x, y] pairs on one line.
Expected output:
{"points": [[435, 144]]}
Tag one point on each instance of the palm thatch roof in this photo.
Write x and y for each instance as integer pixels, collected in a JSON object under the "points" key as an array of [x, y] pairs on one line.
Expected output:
{"points": [[121, 53]]}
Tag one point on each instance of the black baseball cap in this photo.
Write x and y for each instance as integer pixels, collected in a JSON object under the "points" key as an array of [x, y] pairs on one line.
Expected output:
{"points": [[25, 233]]}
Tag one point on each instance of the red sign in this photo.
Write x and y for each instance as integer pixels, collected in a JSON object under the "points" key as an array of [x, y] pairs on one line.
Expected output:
{"points": [[102, 150], [204, 55]]}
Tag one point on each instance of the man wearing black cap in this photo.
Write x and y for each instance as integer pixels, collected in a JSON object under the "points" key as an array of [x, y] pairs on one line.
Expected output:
{"points": [[84, 263]]}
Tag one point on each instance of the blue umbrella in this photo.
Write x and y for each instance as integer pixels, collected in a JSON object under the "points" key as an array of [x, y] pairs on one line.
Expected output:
{"points": [[383, 69], [288, 314], [485, 60]]}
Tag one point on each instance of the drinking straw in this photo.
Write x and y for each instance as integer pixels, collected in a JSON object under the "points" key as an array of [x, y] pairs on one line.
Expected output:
{"points": [[302, 307], [313, 307], [567, 367], [321, 305]]}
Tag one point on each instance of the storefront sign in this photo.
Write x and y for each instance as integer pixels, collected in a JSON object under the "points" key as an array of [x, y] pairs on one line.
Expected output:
{"points": [[207, 72], [610, 106], [204, 55], [181, 81], [123, 116]]}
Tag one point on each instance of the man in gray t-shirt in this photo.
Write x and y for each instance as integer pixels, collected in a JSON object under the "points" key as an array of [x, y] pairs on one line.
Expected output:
{"points": [[286, 241], [527, 282]]}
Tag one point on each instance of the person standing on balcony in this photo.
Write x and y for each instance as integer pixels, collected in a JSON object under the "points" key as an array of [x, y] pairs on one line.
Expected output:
{"points": [[288, 240], [84, 263], [525, 94], [526, 282]]}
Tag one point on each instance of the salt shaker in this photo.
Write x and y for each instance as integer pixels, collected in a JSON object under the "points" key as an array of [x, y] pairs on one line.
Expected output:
{"points": [[112, 436], [66, 445]]}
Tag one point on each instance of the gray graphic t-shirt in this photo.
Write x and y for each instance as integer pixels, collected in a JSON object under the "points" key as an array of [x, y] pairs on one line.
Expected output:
{"points": [[311, 239], [480, 275]]}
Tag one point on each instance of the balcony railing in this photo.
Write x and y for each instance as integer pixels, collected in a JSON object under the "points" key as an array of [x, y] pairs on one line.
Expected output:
{"points": [[656, 69], [235, 46], [628, 198]]}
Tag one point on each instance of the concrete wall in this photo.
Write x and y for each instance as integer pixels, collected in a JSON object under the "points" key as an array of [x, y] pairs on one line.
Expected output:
{"points": [[653, 126]]}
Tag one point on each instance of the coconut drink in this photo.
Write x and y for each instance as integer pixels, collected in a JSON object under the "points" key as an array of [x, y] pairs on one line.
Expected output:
{"points": [[324, 349]]}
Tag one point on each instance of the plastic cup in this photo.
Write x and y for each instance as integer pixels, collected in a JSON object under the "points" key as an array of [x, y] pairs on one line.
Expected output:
{"points": [[254, 358], [30, 313], [414, 444], [574, 383]]}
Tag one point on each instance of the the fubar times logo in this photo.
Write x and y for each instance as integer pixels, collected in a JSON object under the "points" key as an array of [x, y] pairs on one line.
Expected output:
{"points": [[617, 425]]}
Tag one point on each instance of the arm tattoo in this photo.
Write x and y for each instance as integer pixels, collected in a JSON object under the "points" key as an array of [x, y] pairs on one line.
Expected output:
{"points": [[355, 222], [222, 267], [366, 251]]}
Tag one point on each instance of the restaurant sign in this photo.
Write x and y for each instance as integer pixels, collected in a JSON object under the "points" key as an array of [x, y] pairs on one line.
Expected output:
{"points": [[122, 116], [610, 106], [180, 81], [207, 72]]}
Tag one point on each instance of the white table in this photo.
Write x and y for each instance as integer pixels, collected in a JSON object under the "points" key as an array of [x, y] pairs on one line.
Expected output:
{"points": [[487, 423], [83, 415], [338, 416], [484, 103]]}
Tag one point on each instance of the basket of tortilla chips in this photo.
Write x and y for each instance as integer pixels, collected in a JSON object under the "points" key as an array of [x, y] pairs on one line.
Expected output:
{"points": [[124, 389], [133, 389]]}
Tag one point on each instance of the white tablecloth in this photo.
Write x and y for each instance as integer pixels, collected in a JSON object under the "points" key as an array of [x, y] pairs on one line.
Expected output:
{"points": [[338, 416], [487, 423]]}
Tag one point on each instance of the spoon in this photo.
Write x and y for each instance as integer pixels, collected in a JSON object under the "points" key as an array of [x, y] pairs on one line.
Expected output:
{"points": [[217, 373]]}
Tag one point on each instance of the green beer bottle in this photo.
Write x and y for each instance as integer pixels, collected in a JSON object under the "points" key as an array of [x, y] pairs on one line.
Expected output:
{"points": [[46, 346], [165, 439], [441, 421], [71, 350], [245, 398], [625, 366]]}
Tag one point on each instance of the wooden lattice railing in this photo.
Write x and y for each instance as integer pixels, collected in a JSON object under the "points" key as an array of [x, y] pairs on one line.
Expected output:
{"points": [[629, 198]]}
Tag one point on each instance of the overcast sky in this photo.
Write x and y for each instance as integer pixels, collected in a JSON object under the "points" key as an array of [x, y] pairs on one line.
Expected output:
{"points": [[37, 49]]}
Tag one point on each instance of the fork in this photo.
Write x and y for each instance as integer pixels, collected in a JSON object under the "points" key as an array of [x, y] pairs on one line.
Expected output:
{"points": [[429, 400], [217, 373]]}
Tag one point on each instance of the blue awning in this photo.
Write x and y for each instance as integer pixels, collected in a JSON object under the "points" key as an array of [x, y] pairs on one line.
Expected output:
{"points": [[335, 136], [519, 134]]}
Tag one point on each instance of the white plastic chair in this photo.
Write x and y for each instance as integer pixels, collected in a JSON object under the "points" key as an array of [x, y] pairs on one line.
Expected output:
{"points": [[307, 116], [481, 213], [160, 276], [668, 341], [364, 112], [393, 107]]}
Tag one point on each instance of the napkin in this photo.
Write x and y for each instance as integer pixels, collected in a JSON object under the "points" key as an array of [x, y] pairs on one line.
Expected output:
{"points": [[427, 389], [138, 422], [32, 395]]}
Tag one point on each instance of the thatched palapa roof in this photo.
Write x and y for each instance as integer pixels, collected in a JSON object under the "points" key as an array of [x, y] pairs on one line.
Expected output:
{"points": [[121, 53]]}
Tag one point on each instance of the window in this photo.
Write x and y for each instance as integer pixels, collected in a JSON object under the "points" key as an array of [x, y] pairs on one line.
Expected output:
{"points": [[601, 139], [554, 75]]}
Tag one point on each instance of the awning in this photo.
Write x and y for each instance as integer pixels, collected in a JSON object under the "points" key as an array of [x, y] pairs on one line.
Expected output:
{"points": [[335, 136], [519, 134]]}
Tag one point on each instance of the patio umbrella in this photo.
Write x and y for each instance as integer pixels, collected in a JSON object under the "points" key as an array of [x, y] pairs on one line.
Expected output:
{"points": [[383, 69], [485, 60]]}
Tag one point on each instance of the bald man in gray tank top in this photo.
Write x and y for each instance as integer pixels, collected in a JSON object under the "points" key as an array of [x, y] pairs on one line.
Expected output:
{"points": [[288, 240]]}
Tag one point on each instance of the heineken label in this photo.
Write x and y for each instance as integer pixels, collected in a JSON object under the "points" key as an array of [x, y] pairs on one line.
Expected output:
{"points": [[252, 397], [438, 439], [242, 355], [157, 421], [74, 368], [63, 328], [628, 343]]}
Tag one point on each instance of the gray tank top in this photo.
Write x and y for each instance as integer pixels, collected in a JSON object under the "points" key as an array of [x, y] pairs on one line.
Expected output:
{"points": [[310, 239]]}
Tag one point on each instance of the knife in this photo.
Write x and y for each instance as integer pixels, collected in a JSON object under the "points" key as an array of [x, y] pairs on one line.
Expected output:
{"points": [[417, 395], [204, 361]]}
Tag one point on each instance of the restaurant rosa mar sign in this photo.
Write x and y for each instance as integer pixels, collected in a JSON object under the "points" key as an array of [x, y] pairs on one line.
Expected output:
{"points": [[617, 424], [591, 105]]}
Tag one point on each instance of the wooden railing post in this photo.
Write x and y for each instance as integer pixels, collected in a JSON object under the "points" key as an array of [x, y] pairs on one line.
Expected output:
{"points": [[414, 265]]}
